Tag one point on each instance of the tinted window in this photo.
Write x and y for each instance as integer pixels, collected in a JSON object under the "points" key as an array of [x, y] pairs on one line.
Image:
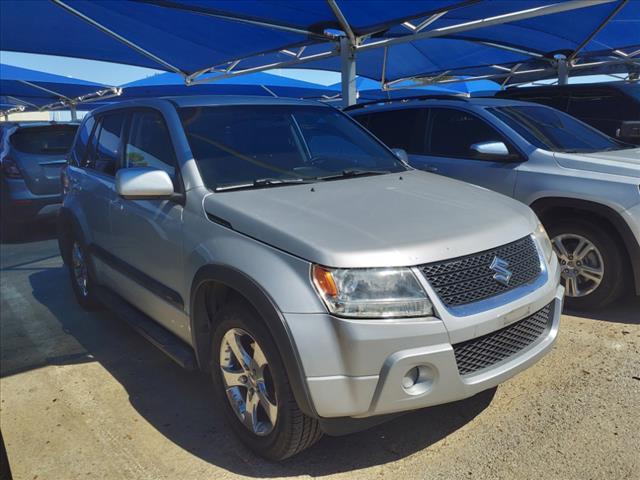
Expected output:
{"points": [[106, 150], [453, 132], [403, 128], [82, 141], [49, 140], [554, 130], [598, 104], [240, 144], [559, 100], [149, 144]]}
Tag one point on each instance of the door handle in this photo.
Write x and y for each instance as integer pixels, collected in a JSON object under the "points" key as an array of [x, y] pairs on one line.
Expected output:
{"points": [[117, 204], [75, 185], [432, 169]]}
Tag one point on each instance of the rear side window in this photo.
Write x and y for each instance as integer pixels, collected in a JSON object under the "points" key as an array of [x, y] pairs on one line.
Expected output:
{"points": [[46, 140], [82, 141], [107, 144], [149, 143], [453, 132], [598, 104], [404, 128]]}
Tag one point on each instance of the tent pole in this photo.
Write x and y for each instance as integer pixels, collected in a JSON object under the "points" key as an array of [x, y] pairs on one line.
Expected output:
{"points": [[348, 77], [74, 113], [563, 69]]}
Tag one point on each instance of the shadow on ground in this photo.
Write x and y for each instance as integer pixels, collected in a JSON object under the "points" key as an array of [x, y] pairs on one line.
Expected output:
{"points": [[179, 404], [625, 310]]}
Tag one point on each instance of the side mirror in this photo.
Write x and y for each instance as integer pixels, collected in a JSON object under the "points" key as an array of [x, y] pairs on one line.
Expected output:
{"points": [[401, 154], [143, 183], [629, 131], [497, 151]]}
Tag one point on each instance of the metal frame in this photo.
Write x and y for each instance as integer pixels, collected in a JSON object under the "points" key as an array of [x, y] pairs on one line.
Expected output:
{"points": [[355, 44], [349, 44], [512, 72], [9, 111]]}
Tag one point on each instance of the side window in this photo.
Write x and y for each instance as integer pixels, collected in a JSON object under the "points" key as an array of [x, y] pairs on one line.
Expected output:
{"points": [[106, 144], [79, 151], [453, 132], [597, 104], [402, 128], [149, 143]]}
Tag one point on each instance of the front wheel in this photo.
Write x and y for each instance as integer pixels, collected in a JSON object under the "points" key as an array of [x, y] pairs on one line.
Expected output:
{"points": [[252, 384], [592, 263]]}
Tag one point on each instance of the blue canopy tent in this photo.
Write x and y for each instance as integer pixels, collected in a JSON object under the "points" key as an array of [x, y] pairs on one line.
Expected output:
{"points": [[45, 91], [429, 41], [260, 83]]}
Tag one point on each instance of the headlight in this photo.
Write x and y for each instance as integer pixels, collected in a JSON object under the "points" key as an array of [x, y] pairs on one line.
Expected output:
{"points": [[371, 292], [543, 240]]}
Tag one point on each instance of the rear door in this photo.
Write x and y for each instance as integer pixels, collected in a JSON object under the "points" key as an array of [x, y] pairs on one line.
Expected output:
{"points": [[447, 151], [40, 152], [96, 183]]}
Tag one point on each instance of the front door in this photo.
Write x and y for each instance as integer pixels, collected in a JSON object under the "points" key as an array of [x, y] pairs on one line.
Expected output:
{"points": [[450, 134], [147, 234]]}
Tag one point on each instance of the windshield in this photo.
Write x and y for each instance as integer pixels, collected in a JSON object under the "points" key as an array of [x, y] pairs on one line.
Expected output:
{"points": [[556, 131], [260, 145]]}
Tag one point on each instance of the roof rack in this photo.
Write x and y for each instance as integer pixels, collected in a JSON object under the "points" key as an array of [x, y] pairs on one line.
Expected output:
{"points": [[461, 98]]}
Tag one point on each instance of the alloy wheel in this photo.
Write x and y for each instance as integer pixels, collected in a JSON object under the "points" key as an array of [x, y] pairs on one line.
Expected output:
{"points": [[581, 263], [80, 272], [248, 382]]}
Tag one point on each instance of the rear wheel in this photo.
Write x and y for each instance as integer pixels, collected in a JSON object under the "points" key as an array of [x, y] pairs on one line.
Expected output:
{"points": [[81, 279], [252, 384], [592, 263]]}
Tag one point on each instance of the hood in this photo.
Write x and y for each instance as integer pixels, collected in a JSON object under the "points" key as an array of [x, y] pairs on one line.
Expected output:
{"points": [[401, 219], [619, 162]]}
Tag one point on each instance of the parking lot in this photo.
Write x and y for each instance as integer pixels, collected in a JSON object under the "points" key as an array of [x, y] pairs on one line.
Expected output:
{"points": [[83, 396]]}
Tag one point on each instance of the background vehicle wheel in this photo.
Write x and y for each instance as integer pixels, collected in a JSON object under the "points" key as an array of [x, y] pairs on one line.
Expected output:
{"points": [[592, 261], [81, 280], [251, 383]]}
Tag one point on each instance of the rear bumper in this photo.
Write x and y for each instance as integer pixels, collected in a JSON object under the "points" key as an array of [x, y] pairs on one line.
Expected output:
{"points": [[356, 368], [19, 204]]}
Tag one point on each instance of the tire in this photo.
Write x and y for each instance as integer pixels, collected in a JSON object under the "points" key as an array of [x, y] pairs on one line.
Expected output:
{"points": [[608, 254], [85, 294], [291, 431]]}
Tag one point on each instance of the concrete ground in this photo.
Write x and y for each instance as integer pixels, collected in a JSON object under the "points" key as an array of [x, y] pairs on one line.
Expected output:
{"points": [[83, 396]]}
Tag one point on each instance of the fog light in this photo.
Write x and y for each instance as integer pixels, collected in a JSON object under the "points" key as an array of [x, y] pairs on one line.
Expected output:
{"points": [[410, 378], [419, 380]]}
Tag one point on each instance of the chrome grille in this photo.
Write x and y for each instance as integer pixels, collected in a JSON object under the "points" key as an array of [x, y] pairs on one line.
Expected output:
{"points": [[468, 279], [485, 351]]}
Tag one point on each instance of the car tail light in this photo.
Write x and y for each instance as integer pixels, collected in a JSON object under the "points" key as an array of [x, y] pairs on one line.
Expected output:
{"points": [[10, 168]]}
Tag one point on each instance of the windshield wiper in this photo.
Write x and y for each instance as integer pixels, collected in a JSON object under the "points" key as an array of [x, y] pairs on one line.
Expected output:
{"points": [[264, 182], [354, 172]]}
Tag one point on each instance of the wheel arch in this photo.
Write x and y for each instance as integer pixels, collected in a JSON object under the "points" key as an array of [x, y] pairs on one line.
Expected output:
{"points": [[67, 225], [223, 283], [548, 207]]}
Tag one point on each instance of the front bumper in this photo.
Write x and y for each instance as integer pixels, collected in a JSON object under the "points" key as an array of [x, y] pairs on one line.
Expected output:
{"points": [[355, 368]]}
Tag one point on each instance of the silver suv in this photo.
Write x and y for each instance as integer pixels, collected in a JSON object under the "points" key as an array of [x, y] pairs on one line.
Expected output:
{"points": [[320, 280], [583, 185]]}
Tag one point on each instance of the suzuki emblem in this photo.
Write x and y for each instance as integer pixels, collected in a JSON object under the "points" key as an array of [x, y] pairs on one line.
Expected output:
{"points": [[502, 275]]}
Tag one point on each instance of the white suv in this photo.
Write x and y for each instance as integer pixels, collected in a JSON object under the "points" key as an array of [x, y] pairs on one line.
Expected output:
{"points": [[583, 185]]}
